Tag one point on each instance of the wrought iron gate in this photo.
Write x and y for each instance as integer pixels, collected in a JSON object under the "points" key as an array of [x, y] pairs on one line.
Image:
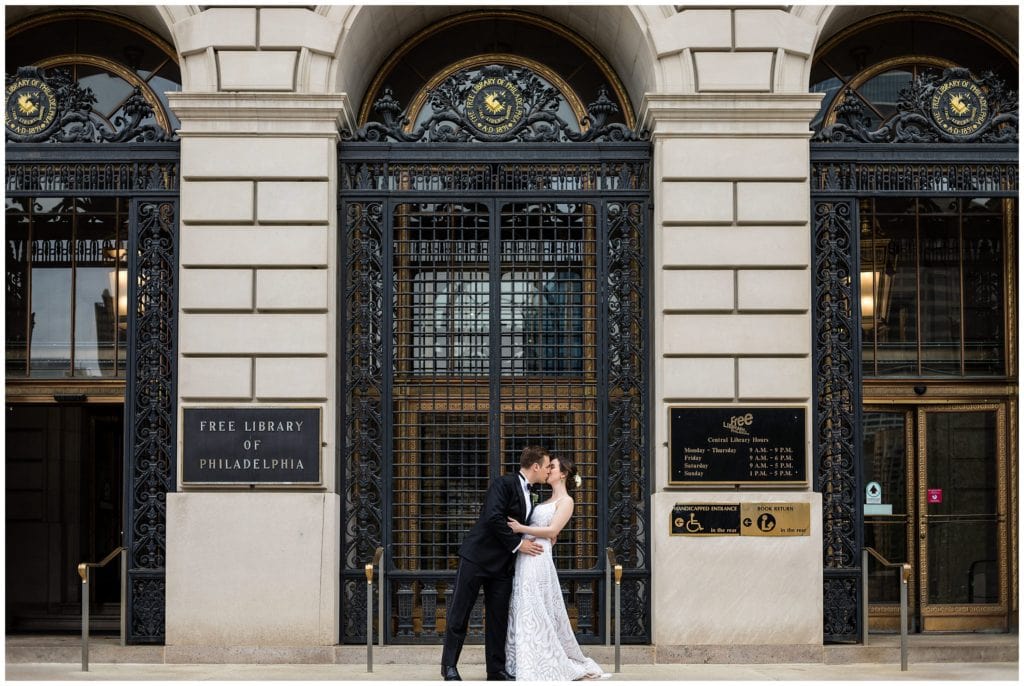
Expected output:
{"points": [[492, 296], [71, 157], [907, 156]]}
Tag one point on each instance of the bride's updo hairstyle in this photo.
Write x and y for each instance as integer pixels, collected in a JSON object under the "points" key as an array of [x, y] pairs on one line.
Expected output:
{"points": [[568, 469]]}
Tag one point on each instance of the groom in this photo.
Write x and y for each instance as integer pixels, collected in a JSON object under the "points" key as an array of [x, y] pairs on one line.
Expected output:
{"points": [[488, 559]]}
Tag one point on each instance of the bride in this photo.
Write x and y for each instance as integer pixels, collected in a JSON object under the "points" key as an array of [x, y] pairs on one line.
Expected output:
{"points": [[541, 644]]}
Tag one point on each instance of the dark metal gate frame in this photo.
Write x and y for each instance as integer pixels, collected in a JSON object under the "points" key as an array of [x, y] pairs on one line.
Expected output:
{"points": [[841, 174], [146, 174], [365, 171]]}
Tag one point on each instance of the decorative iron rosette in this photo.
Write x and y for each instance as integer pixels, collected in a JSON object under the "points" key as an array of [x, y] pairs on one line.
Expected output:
{"points": [[951, 107], [49, 106], [494, 104]]}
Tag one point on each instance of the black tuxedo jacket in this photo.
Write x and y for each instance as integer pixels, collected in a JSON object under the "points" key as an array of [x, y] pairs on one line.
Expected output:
{"points": [[491, 543]]}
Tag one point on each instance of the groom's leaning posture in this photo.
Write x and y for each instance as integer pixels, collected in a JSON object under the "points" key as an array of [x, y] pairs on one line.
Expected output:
{"points": [[488, 559]]}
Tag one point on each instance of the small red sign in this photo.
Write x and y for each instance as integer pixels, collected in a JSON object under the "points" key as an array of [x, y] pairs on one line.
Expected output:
{"points": [[934, 496]]}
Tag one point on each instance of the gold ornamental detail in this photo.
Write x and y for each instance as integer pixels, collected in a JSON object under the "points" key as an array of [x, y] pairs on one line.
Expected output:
{"points": [[959, 107], [495, 105], [31, 107]]}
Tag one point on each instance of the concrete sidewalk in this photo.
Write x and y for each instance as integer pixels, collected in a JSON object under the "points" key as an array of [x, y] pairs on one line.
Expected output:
{"points": [[1001, 671]]}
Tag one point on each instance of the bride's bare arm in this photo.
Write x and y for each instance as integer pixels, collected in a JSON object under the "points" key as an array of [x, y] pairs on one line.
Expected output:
{"points": [[563, 511]]}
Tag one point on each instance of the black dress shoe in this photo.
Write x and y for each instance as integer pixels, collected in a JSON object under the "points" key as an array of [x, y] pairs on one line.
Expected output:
{"points": [[450, 673], [500, 676]]}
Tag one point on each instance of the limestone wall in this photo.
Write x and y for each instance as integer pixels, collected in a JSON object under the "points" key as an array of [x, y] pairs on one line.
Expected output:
{"points": [[723, 93]]}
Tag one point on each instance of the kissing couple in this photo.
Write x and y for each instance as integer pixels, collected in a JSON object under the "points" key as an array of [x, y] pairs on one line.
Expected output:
{"points": [[508, 553]]}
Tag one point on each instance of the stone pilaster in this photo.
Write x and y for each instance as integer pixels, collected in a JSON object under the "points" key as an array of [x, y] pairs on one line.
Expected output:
{"points": [[257, 568]]}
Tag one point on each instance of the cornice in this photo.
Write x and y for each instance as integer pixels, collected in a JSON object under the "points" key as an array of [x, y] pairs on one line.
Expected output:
{"points": [[732, 114], [314, 114]]}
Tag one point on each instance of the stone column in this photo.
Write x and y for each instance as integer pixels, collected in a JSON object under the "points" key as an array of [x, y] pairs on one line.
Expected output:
{"points": [[252, 573], [732, 320], [732, 298]]}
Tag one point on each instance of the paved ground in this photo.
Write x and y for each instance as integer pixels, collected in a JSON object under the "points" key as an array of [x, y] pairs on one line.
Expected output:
{"points": [[1003, 671]]}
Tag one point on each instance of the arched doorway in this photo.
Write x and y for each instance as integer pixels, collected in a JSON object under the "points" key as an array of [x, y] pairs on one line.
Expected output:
{"points": [[91, 237], [914, 199], [494, 293]]}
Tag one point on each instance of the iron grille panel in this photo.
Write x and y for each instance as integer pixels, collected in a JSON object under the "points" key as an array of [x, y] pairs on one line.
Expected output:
{"points": [[507, 279]]}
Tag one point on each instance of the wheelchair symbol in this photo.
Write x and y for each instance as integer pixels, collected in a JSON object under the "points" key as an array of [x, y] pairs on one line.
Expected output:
{"points": [[693, 526]]}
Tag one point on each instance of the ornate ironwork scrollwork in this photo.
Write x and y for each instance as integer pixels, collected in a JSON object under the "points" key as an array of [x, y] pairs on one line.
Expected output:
{"points": [[91, 177], [628, 523], [50, 106], [913, 177], [837, 398], [364, 382], [840, 599], [989, 113], [495, 104], [151, 415]]}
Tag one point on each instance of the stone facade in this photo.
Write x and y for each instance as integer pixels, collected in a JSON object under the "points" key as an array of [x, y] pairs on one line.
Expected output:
{"points": [[723, 93]]}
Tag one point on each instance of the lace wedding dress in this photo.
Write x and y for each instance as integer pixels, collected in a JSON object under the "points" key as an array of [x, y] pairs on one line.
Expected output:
{"points": [[541, 645]]}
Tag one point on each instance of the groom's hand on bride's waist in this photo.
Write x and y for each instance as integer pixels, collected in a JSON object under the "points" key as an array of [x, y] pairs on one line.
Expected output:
{"points": [[528, 547]]}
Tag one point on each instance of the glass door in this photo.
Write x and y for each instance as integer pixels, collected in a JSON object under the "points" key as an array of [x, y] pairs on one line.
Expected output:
{"points": [[889, 509], [935, 496], [962, 524]]}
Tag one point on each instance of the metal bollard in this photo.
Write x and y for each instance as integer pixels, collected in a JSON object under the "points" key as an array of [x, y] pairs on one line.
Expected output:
{"points": [[369, 617], [83, 571], [904, 581], [618, 617], [378, 556], [864, 594]]}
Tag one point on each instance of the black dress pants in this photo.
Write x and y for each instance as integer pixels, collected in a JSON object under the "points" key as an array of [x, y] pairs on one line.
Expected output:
{"points": [[497, 596]]}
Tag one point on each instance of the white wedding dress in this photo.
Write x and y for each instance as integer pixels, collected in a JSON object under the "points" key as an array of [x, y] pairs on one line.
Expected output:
{"points": [[541, 645]]}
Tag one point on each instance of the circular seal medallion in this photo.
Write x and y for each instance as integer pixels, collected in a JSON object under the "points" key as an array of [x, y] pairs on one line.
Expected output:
{"points": [[495, 106], [959, 107], [31, 107]]}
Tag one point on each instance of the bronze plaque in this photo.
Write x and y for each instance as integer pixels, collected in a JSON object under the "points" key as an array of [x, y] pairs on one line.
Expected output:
{"points": [[251, 445], [705, 519], [737, 446], [775, 519]]}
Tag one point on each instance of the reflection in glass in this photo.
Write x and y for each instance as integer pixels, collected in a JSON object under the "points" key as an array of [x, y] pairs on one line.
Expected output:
{"points": [[884, 460], [64, 284], [51, 322], [962, 529], [940, 295], [983, 293], [932, 276], [95, 299], [17, 300]]}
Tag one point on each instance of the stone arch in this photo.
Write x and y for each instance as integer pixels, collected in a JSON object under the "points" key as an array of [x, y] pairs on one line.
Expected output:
{"points": [[148, 16], [371, 32], [1002, 21]]}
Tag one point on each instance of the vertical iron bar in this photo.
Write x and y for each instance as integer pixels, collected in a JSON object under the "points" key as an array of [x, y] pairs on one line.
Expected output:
{"points": [[387, 406], [380, 604], [124, 593], [369, 618], [83, 570], [618, 618], [601, 404], [494, 335], [904, 579], [864, 594], [607, 603]]}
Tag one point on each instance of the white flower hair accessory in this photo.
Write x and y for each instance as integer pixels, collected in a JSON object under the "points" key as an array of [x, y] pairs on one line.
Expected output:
{"points": [[578, 481]]}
